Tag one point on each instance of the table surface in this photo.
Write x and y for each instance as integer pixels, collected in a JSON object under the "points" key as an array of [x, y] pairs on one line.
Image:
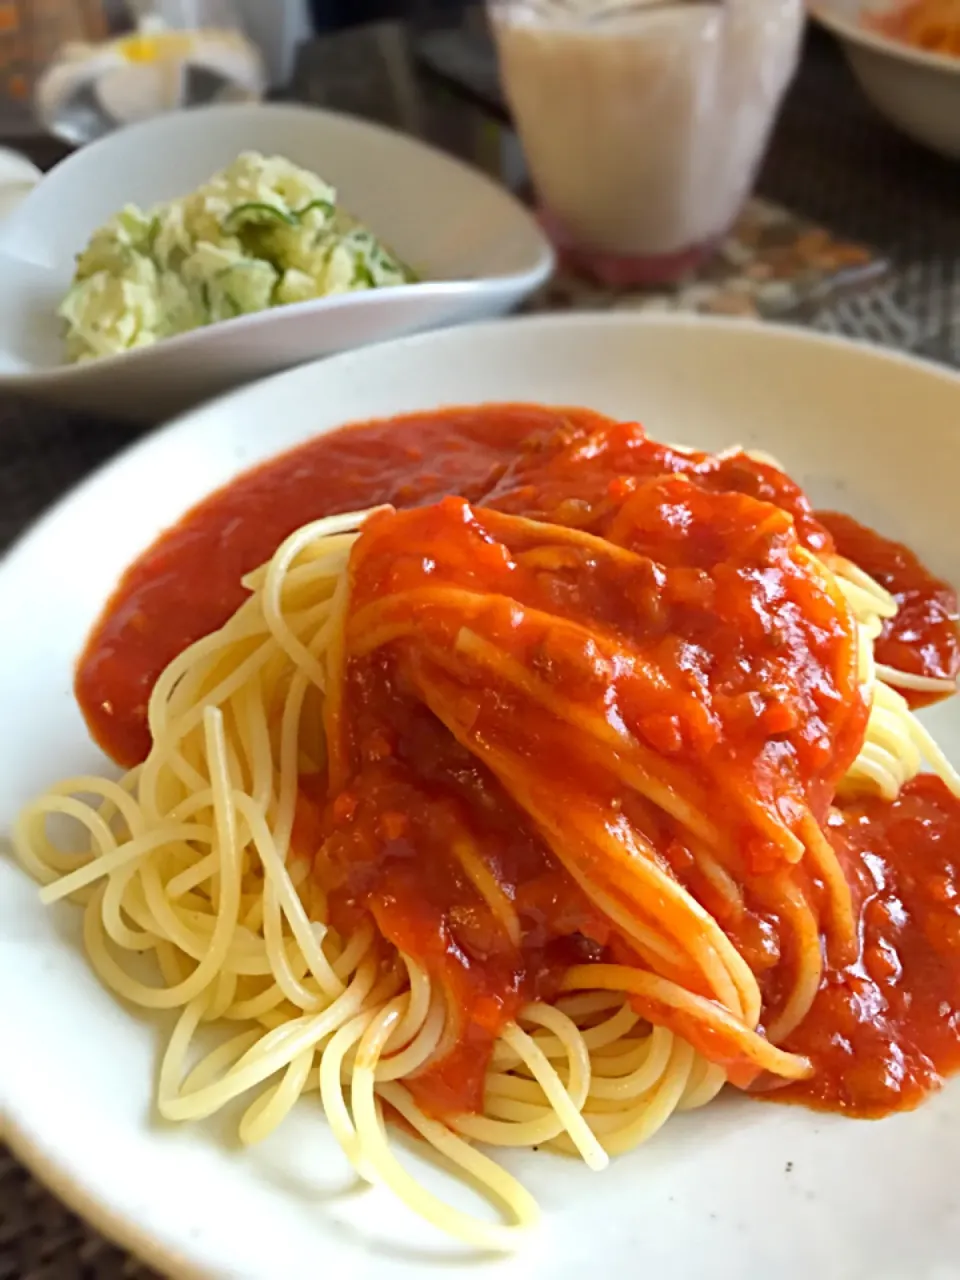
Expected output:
{"points": [[832, 159]]}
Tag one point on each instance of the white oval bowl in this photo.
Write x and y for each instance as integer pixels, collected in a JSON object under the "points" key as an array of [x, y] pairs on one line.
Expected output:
{"points": [[478, 250]]}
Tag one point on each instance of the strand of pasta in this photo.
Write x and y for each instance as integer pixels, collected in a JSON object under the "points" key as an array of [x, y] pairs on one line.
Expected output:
{"points": [[369, 631], [679, 915]]}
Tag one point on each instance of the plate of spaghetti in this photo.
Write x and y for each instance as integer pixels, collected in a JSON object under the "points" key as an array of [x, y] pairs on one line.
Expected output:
{"points": [[906, 56], [489, 803]]}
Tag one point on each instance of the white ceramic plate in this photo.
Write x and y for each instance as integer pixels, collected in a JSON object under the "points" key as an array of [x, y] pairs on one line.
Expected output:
{"points": [[477, 250], [740, 1190], [917, 91]]}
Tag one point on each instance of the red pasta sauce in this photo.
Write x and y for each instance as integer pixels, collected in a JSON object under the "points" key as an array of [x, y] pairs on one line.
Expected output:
{"points": [[883, 1030]]}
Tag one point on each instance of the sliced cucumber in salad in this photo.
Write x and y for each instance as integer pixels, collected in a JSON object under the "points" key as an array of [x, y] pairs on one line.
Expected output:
{"points": [[259, 234]]}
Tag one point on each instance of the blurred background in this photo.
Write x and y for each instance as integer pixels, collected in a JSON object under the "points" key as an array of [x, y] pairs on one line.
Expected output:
{"points": [[801, 163], [791, 173]]}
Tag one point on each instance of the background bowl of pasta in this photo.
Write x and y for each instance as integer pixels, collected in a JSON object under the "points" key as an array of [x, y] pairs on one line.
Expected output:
{"points": [[906, 57]]}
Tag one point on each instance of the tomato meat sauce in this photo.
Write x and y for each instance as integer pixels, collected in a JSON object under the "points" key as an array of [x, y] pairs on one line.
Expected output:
{"points": [[922, 639], [882, 1032]]}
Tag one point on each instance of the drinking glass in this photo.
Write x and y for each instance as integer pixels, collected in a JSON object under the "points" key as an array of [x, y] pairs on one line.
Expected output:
{"points": [[644, 122]]}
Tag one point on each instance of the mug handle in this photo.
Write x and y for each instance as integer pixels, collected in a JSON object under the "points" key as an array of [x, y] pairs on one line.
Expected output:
{"points": [[18, 177]]}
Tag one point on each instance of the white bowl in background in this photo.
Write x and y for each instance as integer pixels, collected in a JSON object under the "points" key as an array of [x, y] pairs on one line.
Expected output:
{"points": [[477, 249], [917, 91]]}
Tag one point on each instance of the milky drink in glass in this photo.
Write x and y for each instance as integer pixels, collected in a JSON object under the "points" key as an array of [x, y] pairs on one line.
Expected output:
{"points": [[644, 124]]}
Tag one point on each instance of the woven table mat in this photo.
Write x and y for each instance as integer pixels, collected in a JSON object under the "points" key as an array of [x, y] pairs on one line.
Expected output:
{"points": [[835, 160], [41, 1240], [832, 160]]}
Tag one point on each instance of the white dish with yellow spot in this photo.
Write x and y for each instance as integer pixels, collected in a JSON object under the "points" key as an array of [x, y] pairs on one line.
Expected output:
{"points": [[141, 75]]}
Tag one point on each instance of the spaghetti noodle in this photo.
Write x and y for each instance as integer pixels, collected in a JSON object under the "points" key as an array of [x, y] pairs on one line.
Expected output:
{"points": [[515, 821], [933, 25]]}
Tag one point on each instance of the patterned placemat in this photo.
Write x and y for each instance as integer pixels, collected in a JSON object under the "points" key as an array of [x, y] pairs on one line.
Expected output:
{"points": [[836, 160], [43, 453], [41, 1240], [773, 265]]}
